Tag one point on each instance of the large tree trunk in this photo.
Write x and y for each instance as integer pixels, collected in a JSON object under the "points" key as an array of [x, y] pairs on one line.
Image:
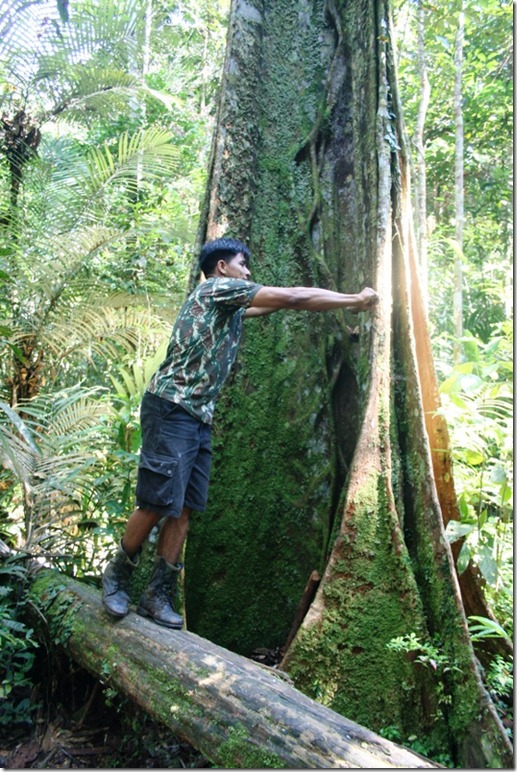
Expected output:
{"points": [[325, 454], [238, 714]]}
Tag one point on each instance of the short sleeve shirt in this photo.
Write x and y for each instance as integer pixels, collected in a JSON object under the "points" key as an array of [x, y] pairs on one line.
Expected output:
{"points": [[203, 345]]}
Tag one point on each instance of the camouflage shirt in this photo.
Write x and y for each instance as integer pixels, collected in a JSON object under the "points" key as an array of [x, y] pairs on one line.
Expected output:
{"points": [[203, 345]]}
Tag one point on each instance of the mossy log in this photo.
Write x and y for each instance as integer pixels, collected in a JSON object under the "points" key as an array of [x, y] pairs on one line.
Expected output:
{"points": [[236, 713]]}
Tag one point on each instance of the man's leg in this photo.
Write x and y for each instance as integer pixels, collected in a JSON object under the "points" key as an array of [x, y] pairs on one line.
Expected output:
{"points": [[172, 536], [157, 600], [138, 528], [117, 575]]}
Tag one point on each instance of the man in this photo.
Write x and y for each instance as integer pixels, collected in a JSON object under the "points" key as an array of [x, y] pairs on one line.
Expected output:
{"points": [[177, 411]]}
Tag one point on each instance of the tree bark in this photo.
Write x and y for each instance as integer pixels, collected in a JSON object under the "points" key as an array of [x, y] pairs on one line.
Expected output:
{"points": [[238, 714], [327, 451]]}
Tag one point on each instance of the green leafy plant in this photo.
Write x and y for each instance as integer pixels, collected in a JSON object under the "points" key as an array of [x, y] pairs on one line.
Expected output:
{"points": [[45, 451], [481, 627], [17, 649], [499, 680], [428, 653], [477, 403]]}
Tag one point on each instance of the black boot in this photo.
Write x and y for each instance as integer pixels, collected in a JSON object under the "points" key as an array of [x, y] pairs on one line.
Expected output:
{"points": [[156, 602], [116, 581]]}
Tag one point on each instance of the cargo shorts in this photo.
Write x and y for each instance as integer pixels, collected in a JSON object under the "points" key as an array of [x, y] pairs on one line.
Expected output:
{"points": [[175, 458]]}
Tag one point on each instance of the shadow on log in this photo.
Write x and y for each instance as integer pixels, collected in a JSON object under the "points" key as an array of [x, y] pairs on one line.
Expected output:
{"points": [[236, 713]]}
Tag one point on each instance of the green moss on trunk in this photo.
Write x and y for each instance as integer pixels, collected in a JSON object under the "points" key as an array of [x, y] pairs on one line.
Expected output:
{"points": [[270, 509], [311, 421]]}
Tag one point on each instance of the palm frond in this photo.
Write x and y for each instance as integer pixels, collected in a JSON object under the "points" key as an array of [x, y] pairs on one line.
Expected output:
{"points": [[101, 331], [49, 286], [86, 90], [16, 455], [70, 255], [71, 425], [72, 188], [150, 152], [55, 478], [499, 409], [21, 426], [21, 23], [54, 440], [112, 27], [97, 91]]}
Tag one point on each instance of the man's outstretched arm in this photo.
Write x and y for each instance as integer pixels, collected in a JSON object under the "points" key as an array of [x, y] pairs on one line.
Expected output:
{"points": [[269, 299]]}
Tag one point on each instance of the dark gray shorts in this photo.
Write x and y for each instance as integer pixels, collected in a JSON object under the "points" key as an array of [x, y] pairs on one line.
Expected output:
{"points": [[175, 458]]}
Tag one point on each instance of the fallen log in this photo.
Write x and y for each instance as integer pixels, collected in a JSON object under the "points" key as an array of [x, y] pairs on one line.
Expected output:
{"points": [[237, 714]]}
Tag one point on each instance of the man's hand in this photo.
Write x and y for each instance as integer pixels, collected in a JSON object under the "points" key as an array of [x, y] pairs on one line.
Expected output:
{"points": [[366, 299]]}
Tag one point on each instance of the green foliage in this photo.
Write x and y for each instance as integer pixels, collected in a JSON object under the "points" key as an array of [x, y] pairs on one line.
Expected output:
{"points": [[477, 402], [45, 454], [94, 250], [487, 104], [17, 649], [83, 66], [500, 676], [94, 258], [487, 290], [481, 627], [428, 653], [499, 679], [419, 745], [64, 608], [114, 477]]}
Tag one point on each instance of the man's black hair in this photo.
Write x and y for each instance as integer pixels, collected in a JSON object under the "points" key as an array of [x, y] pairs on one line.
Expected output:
{"points": [[220, 249]]}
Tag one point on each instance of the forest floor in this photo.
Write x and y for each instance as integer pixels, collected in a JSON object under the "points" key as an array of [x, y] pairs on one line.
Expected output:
{"points": [[81, 724], [111, 734]]}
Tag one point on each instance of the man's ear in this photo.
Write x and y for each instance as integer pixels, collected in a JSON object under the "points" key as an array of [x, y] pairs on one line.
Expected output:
{"points": [[221, 266]]}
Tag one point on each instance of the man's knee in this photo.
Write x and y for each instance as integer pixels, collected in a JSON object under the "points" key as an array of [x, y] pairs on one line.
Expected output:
{"points": [[148, 514]]}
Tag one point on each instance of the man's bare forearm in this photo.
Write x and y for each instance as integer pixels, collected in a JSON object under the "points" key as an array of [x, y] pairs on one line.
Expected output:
{"points": [[318, 299], [250, 313], [313, 299]]}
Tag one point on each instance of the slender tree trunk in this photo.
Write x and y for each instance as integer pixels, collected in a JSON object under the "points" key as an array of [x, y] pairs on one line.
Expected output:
{"points": [[458, 186], [140, 68], [418, 140], [323, 457], [20, 137], [146, 58], [148, 25], [508, 298]]}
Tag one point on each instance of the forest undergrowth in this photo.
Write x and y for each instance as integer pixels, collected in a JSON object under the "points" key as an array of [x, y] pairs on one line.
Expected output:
{"points": [[79, 724]]}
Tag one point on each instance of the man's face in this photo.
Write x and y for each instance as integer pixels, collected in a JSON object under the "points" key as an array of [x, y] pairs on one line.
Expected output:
{"points": [[237, 268]]}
